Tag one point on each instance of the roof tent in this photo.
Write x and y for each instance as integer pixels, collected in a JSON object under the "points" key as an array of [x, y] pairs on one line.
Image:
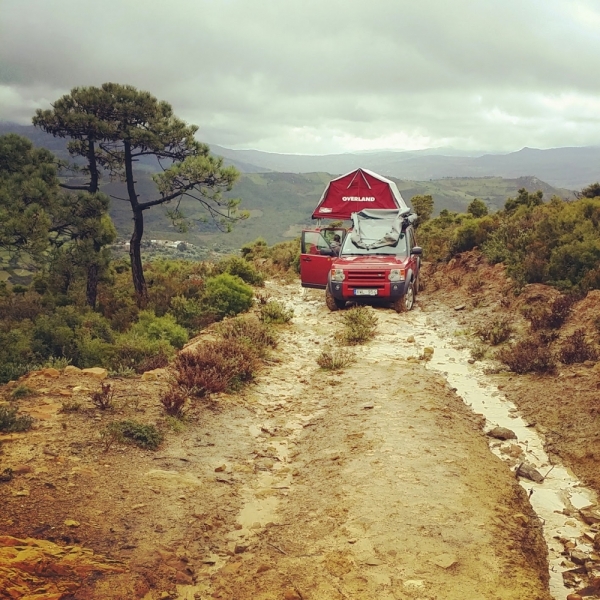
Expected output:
{"points": [[356, 191], [376, 229]]}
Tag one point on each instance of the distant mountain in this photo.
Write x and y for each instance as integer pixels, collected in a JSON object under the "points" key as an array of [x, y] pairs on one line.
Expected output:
{"points": [[572, 168]]}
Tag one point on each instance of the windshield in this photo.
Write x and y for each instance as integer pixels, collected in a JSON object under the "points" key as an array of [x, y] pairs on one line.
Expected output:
{"points": [[399, 249]]}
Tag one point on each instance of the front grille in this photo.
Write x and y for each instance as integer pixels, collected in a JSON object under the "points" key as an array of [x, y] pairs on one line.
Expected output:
{"points": [[366, 279], [366, 276]]}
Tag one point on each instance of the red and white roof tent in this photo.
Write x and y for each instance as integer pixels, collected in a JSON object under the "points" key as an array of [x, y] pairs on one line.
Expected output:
{"points": [[355, 191]]}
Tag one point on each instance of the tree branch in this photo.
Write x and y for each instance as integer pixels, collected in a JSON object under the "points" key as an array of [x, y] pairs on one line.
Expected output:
{"points": [[73, 187]]}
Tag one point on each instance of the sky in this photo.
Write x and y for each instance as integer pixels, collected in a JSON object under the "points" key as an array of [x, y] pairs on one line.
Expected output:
{"points": [[323, 76]]}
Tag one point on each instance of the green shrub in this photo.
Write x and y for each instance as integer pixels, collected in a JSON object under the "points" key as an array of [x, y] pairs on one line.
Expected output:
{"points": [[243, 269], [133, 350], [58, 363], [160, 328], [190, 313], [256, 249], [11, 422], [12, 371], [132, 432], [527, 356], [333, 359], [170, 278], [360, 325], [275, 312], [250, 331], [471, 233], [92, 352], [227, 295], [219, 366], [22, 391]]}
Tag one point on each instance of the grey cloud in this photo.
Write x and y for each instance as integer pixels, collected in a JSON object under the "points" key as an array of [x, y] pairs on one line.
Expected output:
{"points": [[295, 75]]}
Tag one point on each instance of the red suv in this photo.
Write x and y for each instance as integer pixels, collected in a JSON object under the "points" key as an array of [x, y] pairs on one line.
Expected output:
{"points": [[378, 260]]}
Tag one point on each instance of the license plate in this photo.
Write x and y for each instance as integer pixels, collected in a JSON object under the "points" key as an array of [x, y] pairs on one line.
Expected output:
{"points": [[365, 292]]}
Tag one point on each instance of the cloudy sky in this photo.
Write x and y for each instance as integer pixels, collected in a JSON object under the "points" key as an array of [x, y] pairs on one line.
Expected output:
{"points": [[323, 76]]}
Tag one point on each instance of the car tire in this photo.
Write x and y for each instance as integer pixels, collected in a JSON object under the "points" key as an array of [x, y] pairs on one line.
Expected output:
{"points": [[332, 302], [405, 302]]}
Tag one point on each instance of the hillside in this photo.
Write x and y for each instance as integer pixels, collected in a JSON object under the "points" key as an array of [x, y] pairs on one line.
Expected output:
{"points": [[280, 204]]}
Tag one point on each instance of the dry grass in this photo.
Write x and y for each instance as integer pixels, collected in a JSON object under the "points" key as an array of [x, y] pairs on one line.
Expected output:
{"points": [[333, 359]]}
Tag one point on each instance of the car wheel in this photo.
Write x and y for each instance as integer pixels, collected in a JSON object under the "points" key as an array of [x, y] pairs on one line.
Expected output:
{"points": [[332, 302], [406, 301]]}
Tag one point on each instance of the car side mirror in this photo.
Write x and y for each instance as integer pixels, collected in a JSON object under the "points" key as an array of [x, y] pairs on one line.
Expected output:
{"points": [[325, 252], [417, 250]]}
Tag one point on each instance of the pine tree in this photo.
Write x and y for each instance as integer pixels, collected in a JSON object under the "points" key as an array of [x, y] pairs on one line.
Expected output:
{"points": [[112, 126]]}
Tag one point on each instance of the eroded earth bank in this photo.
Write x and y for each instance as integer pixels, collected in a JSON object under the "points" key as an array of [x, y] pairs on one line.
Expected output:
{"points": [[373, 482]]}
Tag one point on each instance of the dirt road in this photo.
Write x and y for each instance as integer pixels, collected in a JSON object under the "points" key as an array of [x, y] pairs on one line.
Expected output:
{"points": [[375, 482]]}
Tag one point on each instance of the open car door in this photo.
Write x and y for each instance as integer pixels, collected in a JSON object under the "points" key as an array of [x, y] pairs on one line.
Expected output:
{"points": [[318, 251]]}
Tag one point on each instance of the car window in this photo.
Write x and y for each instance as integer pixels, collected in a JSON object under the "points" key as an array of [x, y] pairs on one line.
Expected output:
{"points": [[399, 249], [314, 243]]}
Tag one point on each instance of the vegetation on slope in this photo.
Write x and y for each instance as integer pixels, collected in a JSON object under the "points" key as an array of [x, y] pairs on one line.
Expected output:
{"points": [[557, 242]]}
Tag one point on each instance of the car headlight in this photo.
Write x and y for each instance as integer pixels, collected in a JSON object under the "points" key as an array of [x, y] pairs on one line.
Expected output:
{"points": [[396, 275], [337, 275]]}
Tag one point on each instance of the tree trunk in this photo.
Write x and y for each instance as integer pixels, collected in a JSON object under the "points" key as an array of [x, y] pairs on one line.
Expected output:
{"points": [[94, 175], [91, 292], [93, 270], [137, 270]]}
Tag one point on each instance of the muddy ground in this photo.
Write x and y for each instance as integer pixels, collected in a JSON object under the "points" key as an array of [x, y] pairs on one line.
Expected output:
{"points": [[373, 482]]}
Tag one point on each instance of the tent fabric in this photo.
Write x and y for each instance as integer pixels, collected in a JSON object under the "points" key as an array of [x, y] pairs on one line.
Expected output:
{"points": [[377, 228], [357, 190]]}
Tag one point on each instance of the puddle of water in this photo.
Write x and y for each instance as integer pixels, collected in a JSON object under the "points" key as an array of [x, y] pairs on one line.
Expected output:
{"points": [[557, 499]]}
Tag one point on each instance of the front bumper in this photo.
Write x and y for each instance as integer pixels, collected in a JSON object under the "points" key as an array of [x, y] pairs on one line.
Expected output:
{"points": [[386, 290]]}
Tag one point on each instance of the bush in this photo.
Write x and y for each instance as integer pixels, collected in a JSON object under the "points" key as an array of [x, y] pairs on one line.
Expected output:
{"points": [[479, 351], [134, 350], [132, 432], [103, 398], [550, 316], [68, 406], [218, 366], [227, 295], [173, 401], [495, 332], [248, 330], [22, 391], [191, 313], [275, 312], [576, 349], [241, 268], [360, 325], [11, 423], [12, 371], [527, 356], [170, 278], [471, 233], [333, 359], [160, 328]]}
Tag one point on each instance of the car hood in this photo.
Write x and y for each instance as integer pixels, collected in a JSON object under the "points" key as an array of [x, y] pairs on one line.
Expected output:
{"points": [[369, 262]]}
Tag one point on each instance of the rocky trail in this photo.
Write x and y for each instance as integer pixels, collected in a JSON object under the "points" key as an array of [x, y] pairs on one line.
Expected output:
{"points": [[371, 482]]}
